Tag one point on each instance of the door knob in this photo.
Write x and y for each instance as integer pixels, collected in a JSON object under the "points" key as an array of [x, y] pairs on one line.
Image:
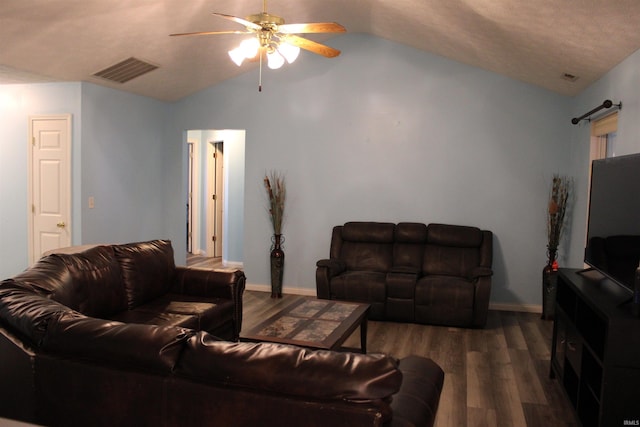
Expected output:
{"points": [[61, 224]]}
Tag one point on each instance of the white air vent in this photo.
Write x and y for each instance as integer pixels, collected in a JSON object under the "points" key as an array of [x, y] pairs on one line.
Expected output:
{"points": [[126, 70], [570, 77]]}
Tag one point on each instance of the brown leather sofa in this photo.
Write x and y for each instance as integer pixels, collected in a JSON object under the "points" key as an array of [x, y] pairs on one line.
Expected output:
{"points": [[76, 351], [411, 272]]}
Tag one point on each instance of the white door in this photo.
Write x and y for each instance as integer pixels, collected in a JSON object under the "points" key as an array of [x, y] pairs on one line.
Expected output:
{"points": [[50, 183]]}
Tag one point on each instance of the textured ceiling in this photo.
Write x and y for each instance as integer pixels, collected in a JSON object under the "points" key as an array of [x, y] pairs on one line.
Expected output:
{"points": [[532, 41]]}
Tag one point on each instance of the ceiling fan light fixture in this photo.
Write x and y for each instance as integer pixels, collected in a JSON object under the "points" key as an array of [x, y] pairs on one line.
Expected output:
{"points": [[237, 56], [289, 51], [250, 47], [274, 41], [274, 59]]}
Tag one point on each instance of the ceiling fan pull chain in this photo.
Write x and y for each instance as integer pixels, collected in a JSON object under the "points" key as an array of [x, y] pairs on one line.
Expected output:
{"points": [[260, 73]]}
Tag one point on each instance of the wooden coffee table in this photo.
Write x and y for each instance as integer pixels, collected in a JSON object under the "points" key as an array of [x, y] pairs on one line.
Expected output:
{"points": [[313, 323]]}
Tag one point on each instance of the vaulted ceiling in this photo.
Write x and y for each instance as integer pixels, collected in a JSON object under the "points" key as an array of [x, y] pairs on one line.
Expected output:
{"points": [[543, 42]]}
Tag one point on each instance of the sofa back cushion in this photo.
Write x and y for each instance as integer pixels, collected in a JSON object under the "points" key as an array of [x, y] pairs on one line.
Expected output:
{"points": [[452, 250], [408, 251], [367, 246], [50, 277], [291, 370], [97, 280], [132, 346], [26, 312], [148, 269], [89, 282]]}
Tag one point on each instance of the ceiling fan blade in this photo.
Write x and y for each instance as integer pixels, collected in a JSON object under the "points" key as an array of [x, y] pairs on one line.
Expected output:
{"points": [[207, 33], [248, 24], [311, 27], [312, 46]]}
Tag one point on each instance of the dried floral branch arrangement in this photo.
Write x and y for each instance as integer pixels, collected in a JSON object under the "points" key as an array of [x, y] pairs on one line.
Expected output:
{"points": [[558, 197], [277, 194]]}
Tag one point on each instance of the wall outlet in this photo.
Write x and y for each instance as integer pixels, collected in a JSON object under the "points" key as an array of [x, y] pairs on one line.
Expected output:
{"points": [[92, 202]]}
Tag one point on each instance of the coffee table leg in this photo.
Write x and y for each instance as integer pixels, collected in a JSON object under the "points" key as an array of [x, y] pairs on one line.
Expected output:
{"points": [[363, 336]]}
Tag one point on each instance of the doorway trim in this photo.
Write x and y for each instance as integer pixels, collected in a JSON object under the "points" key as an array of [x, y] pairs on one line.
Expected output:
{"points": [[195, 195], [215, 197]]}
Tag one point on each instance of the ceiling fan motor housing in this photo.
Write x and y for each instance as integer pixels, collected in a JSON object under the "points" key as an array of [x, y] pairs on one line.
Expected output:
{"points": [[265, 20]]}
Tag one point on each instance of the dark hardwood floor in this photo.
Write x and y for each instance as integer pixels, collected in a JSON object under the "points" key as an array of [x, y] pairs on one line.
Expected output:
{"points": [[496, 376], [204, 262]]}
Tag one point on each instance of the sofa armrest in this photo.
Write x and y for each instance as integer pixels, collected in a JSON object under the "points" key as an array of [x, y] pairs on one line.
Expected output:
{"points": [[208, 283], [326, 269], [478, 272], [212, 284], [481, 301], [334, 266]]}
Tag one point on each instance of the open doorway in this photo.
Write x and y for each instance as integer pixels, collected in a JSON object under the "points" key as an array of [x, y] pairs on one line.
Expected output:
{"points": [[193, 200], [215, 197]]}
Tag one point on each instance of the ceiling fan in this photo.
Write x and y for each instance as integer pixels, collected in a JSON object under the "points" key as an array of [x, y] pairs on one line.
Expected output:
{"points": [[274, 40]]}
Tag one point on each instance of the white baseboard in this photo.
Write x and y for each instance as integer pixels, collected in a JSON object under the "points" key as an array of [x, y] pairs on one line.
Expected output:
{"points": [[525, 308], [285, 289], [232, 264]]}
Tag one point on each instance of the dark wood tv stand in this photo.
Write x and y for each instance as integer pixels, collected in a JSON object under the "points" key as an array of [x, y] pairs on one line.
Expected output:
{"points": [[595, 353]]}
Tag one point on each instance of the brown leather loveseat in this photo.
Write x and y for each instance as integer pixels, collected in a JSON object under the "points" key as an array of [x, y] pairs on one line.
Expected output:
{"points": [[411, 272], [76, 351]]}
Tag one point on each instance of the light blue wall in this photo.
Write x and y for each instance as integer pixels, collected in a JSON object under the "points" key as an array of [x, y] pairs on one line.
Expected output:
{"points": [[233, 209], [17, 103], [620, 84], [119, 158], [388, 133], [123, 166], [383, 132]]}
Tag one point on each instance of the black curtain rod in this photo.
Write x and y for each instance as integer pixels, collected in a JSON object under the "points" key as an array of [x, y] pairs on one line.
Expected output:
{"points": [[606, 104]]}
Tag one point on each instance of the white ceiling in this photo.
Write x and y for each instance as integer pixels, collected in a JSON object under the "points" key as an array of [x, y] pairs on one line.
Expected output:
{"points": [[533, 41]]}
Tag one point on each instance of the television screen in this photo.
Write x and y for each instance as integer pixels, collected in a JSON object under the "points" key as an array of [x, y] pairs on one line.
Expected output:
{"points": [[613, 231]]}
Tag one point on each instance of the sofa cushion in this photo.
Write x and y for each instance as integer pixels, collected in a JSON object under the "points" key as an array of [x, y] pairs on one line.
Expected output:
{"points": [[444, 300], [458, 236], [199, 313], [452, 250], [410, 232], [147, 347], [367, 246], [97, 279], [368, 232], [290, 370], [148, 269], [444, 290], [450, 261], [362, 286]]}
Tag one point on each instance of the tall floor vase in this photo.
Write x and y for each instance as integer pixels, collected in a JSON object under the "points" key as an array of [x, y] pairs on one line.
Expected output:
{"points": [[277, 266], [549, 286]]}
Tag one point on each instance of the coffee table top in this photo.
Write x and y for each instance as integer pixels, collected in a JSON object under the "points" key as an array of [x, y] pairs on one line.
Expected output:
{"points": [[310, 322]]}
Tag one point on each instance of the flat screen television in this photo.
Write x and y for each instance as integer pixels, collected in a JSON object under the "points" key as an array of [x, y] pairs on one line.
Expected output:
{"points": [[613, 231]]}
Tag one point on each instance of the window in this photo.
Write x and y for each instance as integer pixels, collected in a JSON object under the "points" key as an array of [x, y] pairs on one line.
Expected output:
{"points": [[603, 136]]}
